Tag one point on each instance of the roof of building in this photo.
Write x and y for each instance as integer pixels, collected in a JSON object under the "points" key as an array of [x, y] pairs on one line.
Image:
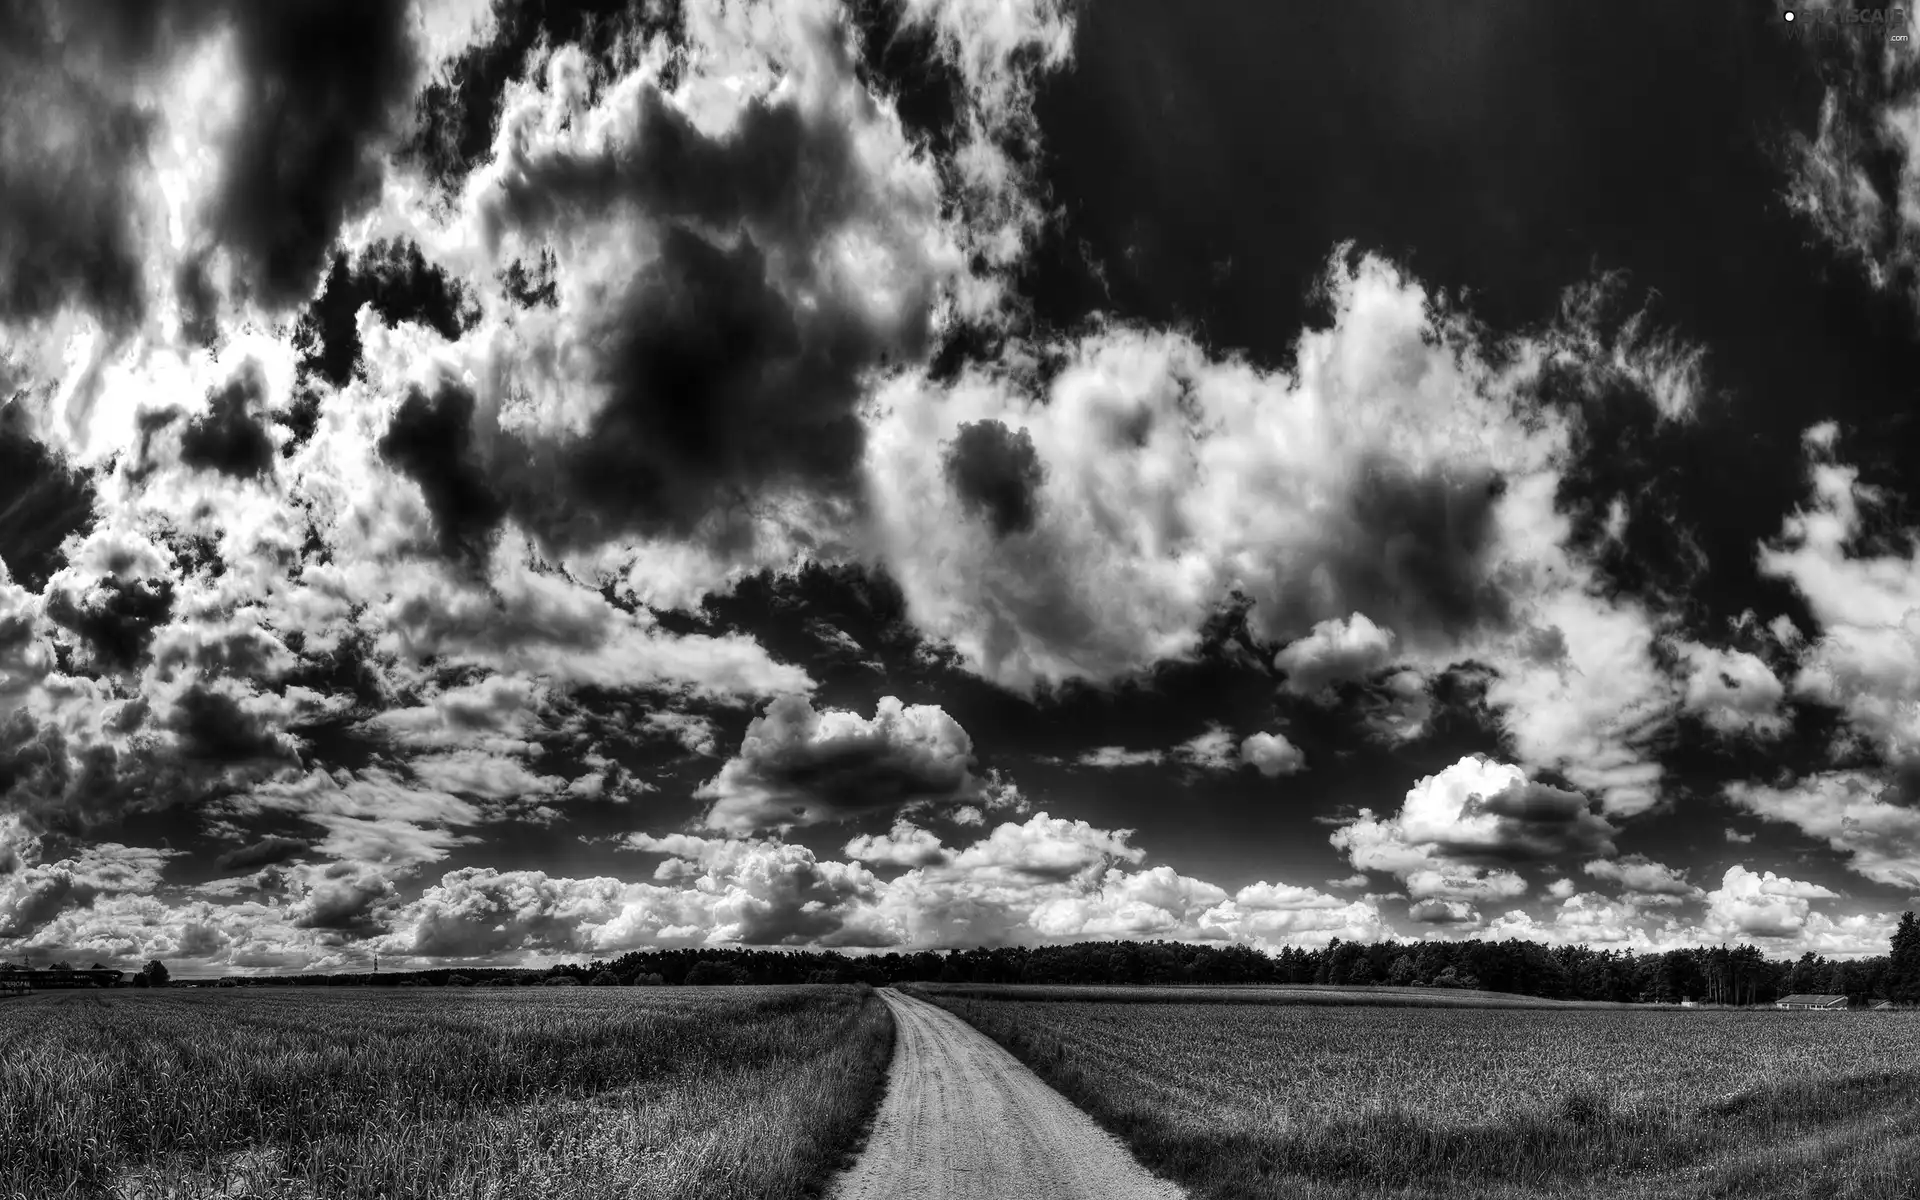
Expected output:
{"points": [[1810, 998]]}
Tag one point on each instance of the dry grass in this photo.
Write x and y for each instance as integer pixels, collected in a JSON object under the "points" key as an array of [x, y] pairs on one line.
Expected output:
{"points": [[1240, 1100], [708, 1093]]}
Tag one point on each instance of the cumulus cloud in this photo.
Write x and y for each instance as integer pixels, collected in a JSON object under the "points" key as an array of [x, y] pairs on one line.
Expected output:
{"points": [[1272, 754], [797, 766], [1388, 500], [1455, 832], [1751, 904], [1443, 912], [907, 845], [1336, 651]]}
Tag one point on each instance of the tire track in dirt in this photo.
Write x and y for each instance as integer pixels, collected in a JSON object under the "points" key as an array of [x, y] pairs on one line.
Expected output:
{"points": [[965, 1120]]}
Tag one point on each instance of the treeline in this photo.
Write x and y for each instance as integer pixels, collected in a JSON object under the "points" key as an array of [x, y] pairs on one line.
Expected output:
{"points": [[1717, 975]]}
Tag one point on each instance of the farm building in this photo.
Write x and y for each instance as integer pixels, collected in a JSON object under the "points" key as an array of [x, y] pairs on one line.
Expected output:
{"points": [[14, 980], [1812, 1002]]}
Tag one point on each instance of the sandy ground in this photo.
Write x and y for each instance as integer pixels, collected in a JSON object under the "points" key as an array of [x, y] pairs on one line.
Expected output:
{"points": [[964, 1120]]}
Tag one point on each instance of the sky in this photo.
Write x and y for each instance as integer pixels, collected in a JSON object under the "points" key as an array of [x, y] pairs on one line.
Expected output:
{"points": [[504, 483]]}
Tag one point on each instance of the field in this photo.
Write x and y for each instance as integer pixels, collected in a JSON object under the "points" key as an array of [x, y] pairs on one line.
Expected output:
{"points": [[1258, 993], [590, 1093], [1273, 1100]]}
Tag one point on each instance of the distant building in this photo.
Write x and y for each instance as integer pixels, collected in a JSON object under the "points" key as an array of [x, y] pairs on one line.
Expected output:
{"points": [[1811, 1002], [18, 979], [1883, 1006]]}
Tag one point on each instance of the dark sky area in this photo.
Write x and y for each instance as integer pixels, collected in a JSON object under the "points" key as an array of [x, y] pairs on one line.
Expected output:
{"points": [[881, 476]]}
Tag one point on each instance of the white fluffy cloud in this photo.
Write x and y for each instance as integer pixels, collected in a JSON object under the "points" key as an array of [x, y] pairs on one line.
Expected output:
{"points": [[1390, 499], [1763, 905], [1272, 754], [1336, 651], [1453, 830], [1733, 691]]}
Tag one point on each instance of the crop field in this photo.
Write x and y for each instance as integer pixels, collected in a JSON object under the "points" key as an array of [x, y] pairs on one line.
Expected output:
{"points": [[1264, 1100], [1258, 993], [591, 1093]]}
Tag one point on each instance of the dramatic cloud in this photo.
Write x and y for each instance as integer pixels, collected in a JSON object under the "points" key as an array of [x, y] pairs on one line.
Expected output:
{"points": [[801, 767], [1455, 830], [1390, 498]]}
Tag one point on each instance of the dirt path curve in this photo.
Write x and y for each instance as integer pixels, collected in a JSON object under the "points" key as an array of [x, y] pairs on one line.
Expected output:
{"points": [[965, 1120]]}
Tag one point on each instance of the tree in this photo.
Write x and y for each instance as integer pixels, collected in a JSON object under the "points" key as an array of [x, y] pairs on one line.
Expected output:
{"points": [[156, 973], [605, 978], [1840, 981], [1361, 974], [1904, 974], [710, 973], [1402, 972]]}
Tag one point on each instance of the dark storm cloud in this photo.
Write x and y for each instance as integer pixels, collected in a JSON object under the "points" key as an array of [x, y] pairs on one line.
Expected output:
{"points": [[231, 438], [719, 384], [268, 851], [213, 727], [997, 473], [431, 440], [346, 900], [42, 501], [1411, 550], [1536, 821], [39, 896], [400, 284], [114, 619], [323, 85], [199, 303], [800, 767], [56, 786], [716, 387], [66, 235]]}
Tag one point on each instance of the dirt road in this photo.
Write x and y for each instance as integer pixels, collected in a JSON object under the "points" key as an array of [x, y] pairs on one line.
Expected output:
{"points": [[964, 1120]]}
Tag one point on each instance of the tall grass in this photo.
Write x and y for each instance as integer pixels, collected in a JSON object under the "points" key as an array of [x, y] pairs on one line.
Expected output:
{"points": [[1272, 1101], [704, 1094]]}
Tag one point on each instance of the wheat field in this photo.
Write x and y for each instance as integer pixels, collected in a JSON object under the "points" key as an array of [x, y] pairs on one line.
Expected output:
{"points": [[593, 1093], [1243, 1100]]}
